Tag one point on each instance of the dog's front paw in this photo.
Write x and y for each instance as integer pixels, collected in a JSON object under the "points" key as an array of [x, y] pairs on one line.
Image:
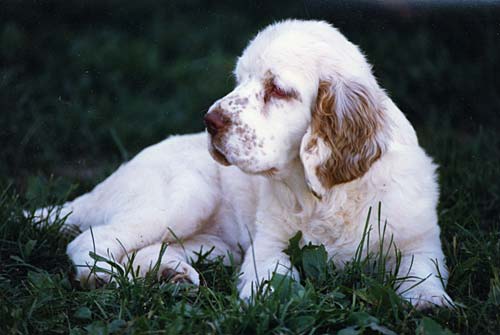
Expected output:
{"points": [[424, 298], [247, 290]]}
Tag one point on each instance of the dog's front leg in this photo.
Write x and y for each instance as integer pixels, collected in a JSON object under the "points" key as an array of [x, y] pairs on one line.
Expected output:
{"points": [[424, 276], [264, 258]]}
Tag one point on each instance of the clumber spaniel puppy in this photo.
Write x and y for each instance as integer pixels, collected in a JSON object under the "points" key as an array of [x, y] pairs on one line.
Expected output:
{"points": [[306, 141]]}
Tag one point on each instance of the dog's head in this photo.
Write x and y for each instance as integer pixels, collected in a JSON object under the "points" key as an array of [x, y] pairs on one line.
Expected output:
{"points": [[303, 91]]}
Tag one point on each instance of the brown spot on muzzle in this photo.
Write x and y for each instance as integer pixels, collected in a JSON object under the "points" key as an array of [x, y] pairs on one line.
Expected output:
{"points": [[241, 101]]}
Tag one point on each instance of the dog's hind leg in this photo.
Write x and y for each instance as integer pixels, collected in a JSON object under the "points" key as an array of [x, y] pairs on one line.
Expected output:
{"points": [[155, 212], [75, 214]]}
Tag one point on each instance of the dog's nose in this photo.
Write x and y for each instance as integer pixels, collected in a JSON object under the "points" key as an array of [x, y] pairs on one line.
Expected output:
{"points": [[215, 120]]}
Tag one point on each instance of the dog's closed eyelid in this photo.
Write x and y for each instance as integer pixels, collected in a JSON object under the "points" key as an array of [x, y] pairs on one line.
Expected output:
{"points": [[278, 91], [273, 90]]}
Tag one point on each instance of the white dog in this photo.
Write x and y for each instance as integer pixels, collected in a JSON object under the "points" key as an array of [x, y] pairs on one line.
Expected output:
{"points": [[306, 141]]}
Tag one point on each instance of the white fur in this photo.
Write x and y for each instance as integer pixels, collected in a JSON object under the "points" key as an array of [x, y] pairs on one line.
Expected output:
{"points": [[175, 186]]}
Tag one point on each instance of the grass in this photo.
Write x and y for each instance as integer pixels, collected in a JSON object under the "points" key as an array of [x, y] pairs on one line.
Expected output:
{"points": [[39, 297], [84, 86]]}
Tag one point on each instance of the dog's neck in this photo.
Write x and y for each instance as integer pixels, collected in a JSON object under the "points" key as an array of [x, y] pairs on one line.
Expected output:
{"points": [[292, 191], [291, 188]]}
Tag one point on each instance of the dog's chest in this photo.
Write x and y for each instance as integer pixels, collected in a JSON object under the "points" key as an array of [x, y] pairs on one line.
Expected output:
{"points": [[338, 230], [322, 231]]}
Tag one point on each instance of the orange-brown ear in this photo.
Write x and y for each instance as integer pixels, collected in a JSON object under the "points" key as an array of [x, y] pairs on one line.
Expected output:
{"points": [[347, 133]]}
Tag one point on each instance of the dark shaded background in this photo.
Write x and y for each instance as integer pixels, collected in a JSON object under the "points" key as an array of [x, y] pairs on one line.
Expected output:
{"points": [[87, 83]]}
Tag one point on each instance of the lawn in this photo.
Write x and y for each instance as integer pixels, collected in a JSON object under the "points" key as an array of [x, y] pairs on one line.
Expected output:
{"points": [[85, 86]]}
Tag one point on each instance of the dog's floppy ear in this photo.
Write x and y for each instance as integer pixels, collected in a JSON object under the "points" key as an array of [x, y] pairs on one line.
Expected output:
{"points": [[346, 136]]}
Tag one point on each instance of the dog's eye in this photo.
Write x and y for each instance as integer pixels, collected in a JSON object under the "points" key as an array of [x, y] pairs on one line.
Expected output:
{"points": [[278, 92], [275, 91]]}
